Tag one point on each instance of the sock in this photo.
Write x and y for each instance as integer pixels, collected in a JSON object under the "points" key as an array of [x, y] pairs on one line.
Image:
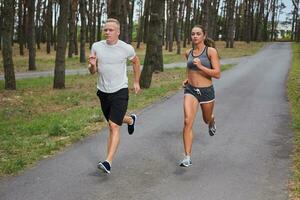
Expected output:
{"points": [[108, 162]]}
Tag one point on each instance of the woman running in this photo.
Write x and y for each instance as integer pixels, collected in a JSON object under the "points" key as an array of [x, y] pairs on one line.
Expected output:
{"points": [[202, 65]]}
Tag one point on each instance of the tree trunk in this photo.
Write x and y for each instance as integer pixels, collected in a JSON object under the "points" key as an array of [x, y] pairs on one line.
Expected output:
{"points": [[212, 31], [172, 21], [178, 27], [251, 18], [230, 29], [294, 19], [9, 74], [37, 24], [141, 24], [31, 35], [260, 20], [238, 22], [146, 19], [195, 8], [187, 23], [59, 72], [20, 27], [124, 21], [99, 32], [49, 26], [90, 23], [44, 23], [266, 18], [168, 24], [247, 27], [130, 17], [12, 36], [273, 33], [76, 33], [1, 23], [206, 14], [93, 29], [296, 22], [153, 57], [73, 8], [54, 38], [82, 9]]}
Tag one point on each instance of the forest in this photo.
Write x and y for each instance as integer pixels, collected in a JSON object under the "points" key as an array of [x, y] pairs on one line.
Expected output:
{"points": [[68, 26]]}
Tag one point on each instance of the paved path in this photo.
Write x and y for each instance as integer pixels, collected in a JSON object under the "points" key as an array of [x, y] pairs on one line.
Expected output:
{"points": [[23, 75], [248, 159]]}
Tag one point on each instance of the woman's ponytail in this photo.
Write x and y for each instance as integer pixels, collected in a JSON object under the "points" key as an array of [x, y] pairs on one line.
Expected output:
{"points": [[209, 42]]}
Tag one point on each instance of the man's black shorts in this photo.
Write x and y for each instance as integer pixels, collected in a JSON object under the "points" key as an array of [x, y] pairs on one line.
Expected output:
{"points": [[114, 105]]}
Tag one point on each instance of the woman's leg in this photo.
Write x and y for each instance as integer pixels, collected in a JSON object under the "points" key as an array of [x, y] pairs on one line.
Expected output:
{"points": [[190, 106], [207, 112], [208, 117]]}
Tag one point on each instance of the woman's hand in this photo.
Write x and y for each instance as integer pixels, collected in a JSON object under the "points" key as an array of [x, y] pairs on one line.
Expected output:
{"points": [[197, 62]]}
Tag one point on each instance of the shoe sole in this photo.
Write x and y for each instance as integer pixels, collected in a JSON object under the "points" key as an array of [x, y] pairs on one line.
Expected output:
{"points": [[135, 119], [183, 165], [103, 168]]}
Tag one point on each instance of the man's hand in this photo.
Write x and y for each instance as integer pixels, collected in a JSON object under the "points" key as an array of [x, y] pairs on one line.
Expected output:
{"points": [[92, 63], [137, 87]]}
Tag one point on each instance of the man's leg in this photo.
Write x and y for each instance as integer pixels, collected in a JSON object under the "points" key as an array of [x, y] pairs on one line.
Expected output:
{"points": [[116, 111], [113, 140]]}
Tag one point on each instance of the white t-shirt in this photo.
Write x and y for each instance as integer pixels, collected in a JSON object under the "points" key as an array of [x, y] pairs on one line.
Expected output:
{"points": [[112, 68]]}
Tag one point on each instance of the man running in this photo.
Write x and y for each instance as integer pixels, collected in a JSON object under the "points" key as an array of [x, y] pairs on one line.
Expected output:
{"points": [[108, 58]]}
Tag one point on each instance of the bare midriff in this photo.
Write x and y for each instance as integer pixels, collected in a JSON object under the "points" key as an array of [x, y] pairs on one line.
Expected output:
{"points": [[198, 79]]}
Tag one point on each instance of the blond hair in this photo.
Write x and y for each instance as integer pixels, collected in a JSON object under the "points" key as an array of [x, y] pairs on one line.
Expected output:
{"points": [[114, 21]]}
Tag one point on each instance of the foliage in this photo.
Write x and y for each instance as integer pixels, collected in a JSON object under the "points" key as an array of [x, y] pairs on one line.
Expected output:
{"points": [[294, 98]]}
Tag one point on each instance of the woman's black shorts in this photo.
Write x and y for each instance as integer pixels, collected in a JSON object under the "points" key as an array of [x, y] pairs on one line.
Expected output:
{"points": [[114, 105], [202, 94]]}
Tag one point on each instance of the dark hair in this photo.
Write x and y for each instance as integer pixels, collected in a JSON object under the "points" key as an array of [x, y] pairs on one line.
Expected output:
{"points": [[207, 41]]}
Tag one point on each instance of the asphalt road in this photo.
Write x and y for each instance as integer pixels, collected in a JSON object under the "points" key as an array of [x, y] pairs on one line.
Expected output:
{"points": [[248, 159]]}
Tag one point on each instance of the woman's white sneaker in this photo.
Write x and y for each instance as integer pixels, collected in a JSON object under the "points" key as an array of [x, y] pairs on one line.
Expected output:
{"points": [[186, 162]]}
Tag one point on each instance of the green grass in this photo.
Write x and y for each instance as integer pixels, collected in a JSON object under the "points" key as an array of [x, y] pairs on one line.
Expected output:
{"points": [[294, 98]]}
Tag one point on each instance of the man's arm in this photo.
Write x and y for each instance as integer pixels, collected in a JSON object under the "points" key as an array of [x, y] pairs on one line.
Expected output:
{"points": [[136, 73]]}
